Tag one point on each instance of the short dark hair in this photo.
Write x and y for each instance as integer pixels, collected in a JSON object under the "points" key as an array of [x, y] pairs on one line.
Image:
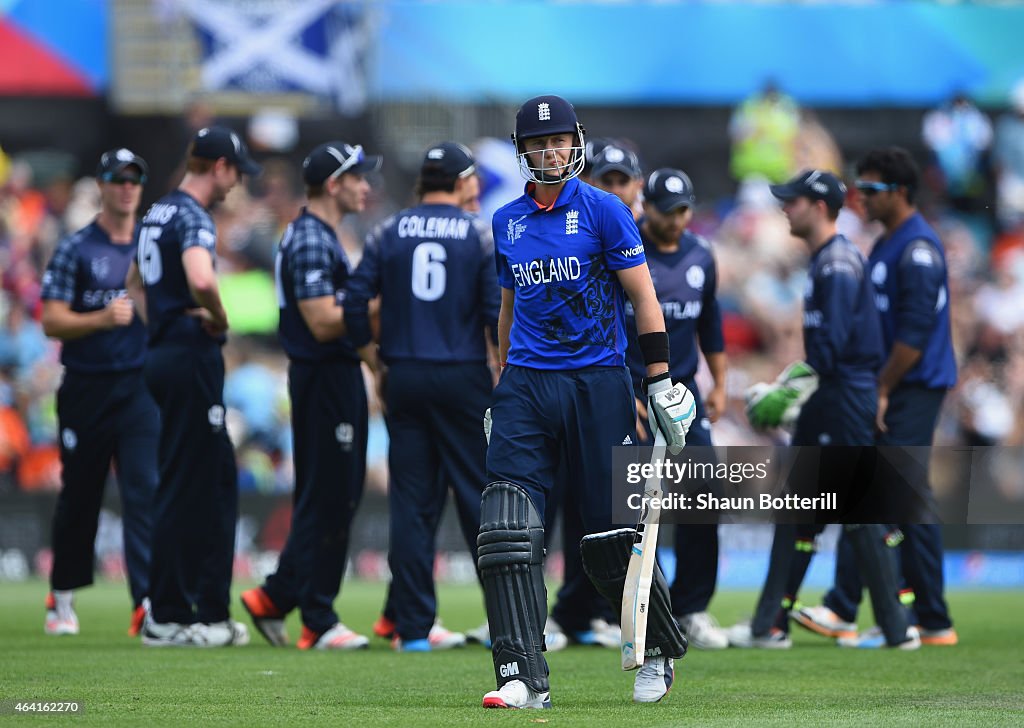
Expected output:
{"points": [[314, 191], [198, 165], [432, 179], [895, 166]]}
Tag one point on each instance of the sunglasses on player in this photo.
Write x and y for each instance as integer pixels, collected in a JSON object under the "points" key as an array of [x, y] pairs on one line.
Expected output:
{"points": [[124, 179], [870, 188]]}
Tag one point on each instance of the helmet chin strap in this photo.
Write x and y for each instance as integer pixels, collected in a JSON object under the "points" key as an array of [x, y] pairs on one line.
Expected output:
{"points": [[547, 179]]}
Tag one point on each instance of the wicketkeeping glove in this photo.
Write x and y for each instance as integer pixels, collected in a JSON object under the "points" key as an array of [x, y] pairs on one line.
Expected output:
{"points": [[778, 404], [671, 409]]}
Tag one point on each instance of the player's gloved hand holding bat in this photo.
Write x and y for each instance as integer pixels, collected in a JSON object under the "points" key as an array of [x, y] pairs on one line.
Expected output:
{"points": [[778, 404], [671, 409]]}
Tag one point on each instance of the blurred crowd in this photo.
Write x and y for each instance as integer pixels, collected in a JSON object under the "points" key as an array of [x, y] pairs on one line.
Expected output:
{"points": [[973, 193]]}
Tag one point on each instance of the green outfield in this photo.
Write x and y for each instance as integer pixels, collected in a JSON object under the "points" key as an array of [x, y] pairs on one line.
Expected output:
{"points": [[979, 683]]}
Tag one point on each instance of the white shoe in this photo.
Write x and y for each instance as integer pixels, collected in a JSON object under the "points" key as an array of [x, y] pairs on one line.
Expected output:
{"points": [[338, 637], [739, 635], [703, 632], [60, 622], [554, 638], [221, 634], [169, 634], [516, 694], [822, 620], [480, 635], [606, 634], [874, 639], [60, 617], [444, 639], [653, 679]]}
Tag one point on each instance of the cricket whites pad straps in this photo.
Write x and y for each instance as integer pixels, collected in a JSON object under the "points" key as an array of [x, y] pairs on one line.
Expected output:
{"points": [[510, 556], [606, 559]]}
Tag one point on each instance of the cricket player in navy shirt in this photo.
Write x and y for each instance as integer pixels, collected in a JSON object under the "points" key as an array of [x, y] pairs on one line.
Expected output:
{"points": [[329, 409], [439, 297], [908, 270], [104, 412], [174, 282], [567, 257], [835, 391], [686, 279]]}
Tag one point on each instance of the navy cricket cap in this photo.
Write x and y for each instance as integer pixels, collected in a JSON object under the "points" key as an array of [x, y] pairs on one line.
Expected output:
{"points": [[214, 142], [616, 159], [450, 160], [813, 184], [117, 160], [669, 189], [333, 159], [545, 115]]}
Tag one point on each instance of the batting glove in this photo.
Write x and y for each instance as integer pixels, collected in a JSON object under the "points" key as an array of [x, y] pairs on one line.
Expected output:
{"points": [[778, 404], [670, 409]]}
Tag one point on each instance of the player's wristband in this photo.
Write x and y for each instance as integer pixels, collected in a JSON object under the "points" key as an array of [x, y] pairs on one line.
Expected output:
{"points": [[654, 347], [647, 381]]}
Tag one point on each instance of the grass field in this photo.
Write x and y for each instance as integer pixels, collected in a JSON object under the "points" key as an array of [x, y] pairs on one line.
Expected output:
{"points": [[978, 683]]}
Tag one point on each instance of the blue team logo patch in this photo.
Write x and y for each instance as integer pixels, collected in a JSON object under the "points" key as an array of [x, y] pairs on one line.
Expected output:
{"points": [[695, 277], [515, 229]]}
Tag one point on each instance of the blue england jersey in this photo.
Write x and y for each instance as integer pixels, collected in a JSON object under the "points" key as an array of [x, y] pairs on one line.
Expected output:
{"points": [[560, 262], [842, 331], [437, 285], [908, 270], [685, 282], [310, 263], [171, 226], [88, 271]]}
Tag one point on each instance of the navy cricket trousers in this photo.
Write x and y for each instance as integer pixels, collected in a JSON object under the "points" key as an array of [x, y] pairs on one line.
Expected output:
{"points": [[911, 418], [696, 544], [835, 415], [329, 431], [196, 506], [103, 418], [543, 418], [435, 425]]}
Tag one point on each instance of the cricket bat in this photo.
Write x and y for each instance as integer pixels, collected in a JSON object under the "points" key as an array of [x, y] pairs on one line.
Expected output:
{"points": [[636, 591]]}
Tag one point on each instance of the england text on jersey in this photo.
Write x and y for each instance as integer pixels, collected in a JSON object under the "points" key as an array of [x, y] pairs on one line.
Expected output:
{"points": [[546, 270]]}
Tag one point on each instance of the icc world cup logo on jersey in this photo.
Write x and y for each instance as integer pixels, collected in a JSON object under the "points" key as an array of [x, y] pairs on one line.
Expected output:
{"points": [[515, 229]]}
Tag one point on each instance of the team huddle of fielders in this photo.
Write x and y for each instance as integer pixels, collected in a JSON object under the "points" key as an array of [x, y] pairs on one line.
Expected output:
{"points": [[597, 304]]}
